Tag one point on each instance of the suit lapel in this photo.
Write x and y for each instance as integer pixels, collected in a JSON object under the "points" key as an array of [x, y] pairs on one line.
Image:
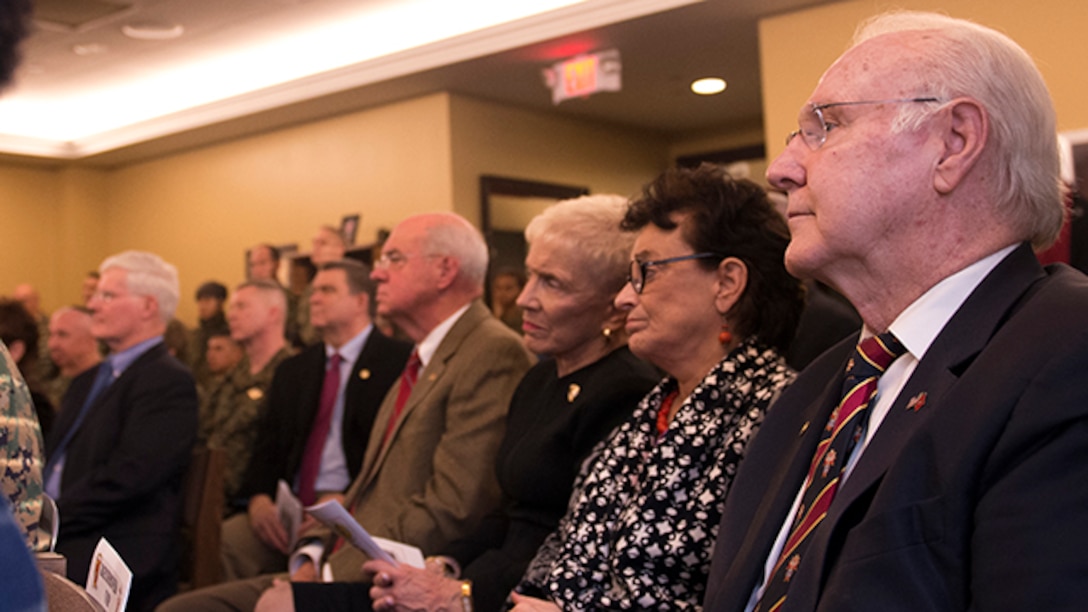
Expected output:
{"points": [[306, 412], [130, 372], [428, 379], [786, 452]]}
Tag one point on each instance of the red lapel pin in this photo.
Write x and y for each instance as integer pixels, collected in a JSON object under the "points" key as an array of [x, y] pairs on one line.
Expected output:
{"points": [[915, 404]]}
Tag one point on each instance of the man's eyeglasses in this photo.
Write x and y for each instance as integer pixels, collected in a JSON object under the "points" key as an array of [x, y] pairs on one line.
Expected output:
{"points": [[637, 275], [396, 259], [813, 128], [392, 259]]}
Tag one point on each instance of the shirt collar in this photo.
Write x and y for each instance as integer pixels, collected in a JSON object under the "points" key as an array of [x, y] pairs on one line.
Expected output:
{"points": [[920, 323], [121, 360], [429, 346], [349, 351]]}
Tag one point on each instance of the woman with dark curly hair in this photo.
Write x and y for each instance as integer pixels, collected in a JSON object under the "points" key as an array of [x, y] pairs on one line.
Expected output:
{"points": [[709, 302]]}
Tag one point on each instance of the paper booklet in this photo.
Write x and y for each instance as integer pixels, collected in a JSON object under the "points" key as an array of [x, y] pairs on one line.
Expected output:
{"points": [[109, 580], [289, 509], [333, 514]]}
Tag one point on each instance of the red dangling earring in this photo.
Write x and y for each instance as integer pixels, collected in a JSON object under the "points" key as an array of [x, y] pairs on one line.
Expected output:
{"points": [[725, 337]]}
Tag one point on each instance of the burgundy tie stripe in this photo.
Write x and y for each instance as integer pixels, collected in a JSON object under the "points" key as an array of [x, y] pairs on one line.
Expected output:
{"points": [[407, 381], [842, 433]]}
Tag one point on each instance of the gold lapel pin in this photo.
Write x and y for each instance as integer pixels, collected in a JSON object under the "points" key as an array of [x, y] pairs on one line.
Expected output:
{"points": [[804, 428], [364, 374], [254, 393], [572, 392]]}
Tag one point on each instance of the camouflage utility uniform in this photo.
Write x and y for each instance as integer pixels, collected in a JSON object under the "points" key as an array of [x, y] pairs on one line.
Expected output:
{"points": [[21, 445], [230, 413]]}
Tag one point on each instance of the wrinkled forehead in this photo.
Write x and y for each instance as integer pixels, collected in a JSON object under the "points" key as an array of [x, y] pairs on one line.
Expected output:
{"points": [[407, 237], [887, 66]]}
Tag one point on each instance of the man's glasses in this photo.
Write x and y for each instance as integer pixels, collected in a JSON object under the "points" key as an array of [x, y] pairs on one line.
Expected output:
{"points": [[637, 275], [396, 259], [813, 128], [392, 259]]}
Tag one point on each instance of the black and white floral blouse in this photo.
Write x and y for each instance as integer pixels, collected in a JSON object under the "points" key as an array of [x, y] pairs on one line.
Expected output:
{"points": [[642, 520]]}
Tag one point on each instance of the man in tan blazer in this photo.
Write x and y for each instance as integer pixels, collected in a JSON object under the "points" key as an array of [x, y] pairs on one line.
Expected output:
{"points": [[428, 475]]}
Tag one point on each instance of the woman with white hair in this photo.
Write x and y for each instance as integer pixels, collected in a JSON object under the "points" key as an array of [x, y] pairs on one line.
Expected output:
{"points": [[567, 403]]}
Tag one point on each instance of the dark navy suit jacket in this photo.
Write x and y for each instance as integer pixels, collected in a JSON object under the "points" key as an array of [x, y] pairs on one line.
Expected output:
{"points": [[293, 399], [123, 471], [975, 500]]}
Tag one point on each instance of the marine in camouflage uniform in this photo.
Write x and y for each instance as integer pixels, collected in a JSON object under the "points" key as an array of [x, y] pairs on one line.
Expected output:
{"points": [[229, 414], [21, 442]]}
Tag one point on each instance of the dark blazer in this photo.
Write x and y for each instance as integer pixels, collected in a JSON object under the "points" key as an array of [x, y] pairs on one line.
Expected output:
{"points": [[293, 399], [123, 471], [974, 499]]}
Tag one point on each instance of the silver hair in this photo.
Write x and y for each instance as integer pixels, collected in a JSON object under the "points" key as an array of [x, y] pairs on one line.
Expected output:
{"points": [[590, 227], [964, 59], [456, 237], [148, 274]]}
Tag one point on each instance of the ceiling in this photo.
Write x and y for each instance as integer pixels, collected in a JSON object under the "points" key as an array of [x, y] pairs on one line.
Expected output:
{"points": [[664, 45]]}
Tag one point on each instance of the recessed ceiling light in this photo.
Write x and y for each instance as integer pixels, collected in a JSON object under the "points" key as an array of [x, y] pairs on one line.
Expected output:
{"points": [[152, 30], [89, 49], [708, 86]]}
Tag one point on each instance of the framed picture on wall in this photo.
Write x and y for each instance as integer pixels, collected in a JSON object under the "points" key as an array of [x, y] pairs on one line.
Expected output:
{"points": [[349, 227]]}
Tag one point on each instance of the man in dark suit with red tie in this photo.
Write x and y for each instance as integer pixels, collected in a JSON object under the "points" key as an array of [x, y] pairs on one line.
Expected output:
{"points": [[319, 417], [123, 439], [949, 475]]}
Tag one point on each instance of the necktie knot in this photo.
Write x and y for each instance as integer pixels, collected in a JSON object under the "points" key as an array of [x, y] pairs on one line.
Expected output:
{"points": [[334, 361], [873, 355], [412, 367]]}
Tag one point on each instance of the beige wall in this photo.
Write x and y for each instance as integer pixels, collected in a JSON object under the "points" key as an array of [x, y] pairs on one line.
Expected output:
{"points": [[201, 209], [717, 140], [30, 203], [81, 230], [490, 138], [796, 49]]}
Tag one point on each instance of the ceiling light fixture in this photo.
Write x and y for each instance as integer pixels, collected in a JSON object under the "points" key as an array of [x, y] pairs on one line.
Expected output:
{"points": [[86, 49], [151, 30], [364, 43], [708, 86]]}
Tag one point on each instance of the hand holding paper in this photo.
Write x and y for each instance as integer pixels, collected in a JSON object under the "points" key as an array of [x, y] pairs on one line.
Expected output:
{"points": [[337, 518]]}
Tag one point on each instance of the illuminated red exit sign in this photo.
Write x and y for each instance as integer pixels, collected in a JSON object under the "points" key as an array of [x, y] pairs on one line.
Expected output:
{"points": [[584, 75]]}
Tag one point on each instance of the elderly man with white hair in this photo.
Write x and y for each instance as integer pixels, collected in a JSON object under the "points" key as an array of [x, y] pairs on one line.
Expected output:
{"points": [[121, 446], [937, 465]]}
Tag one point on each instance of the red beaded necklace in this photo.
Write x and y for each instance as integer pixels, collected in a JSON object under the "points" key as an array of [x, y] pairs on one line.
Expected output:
{"points": [[663, 412]]}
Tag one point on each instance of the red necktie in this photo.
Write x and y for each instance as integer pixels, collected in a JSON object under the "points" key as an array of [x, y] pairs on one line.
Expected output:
{"points": [[315, 443], [407, 381], [844, 429]]}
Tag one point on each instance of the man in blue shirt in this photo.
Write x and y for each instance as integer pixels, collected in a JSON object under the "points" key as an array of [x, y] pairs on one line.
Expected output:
{"points": [[120, 448]]}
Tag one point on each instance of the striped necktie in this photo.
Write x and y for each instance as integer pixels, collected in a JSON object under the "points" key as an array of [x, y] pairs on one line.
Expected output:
{"points": [[843, 431]]}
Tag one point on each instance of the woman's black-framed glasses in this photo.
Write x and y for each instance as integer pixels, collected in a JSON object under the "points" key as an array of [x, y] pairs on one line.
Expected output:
{"points": [[637, 274]]}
